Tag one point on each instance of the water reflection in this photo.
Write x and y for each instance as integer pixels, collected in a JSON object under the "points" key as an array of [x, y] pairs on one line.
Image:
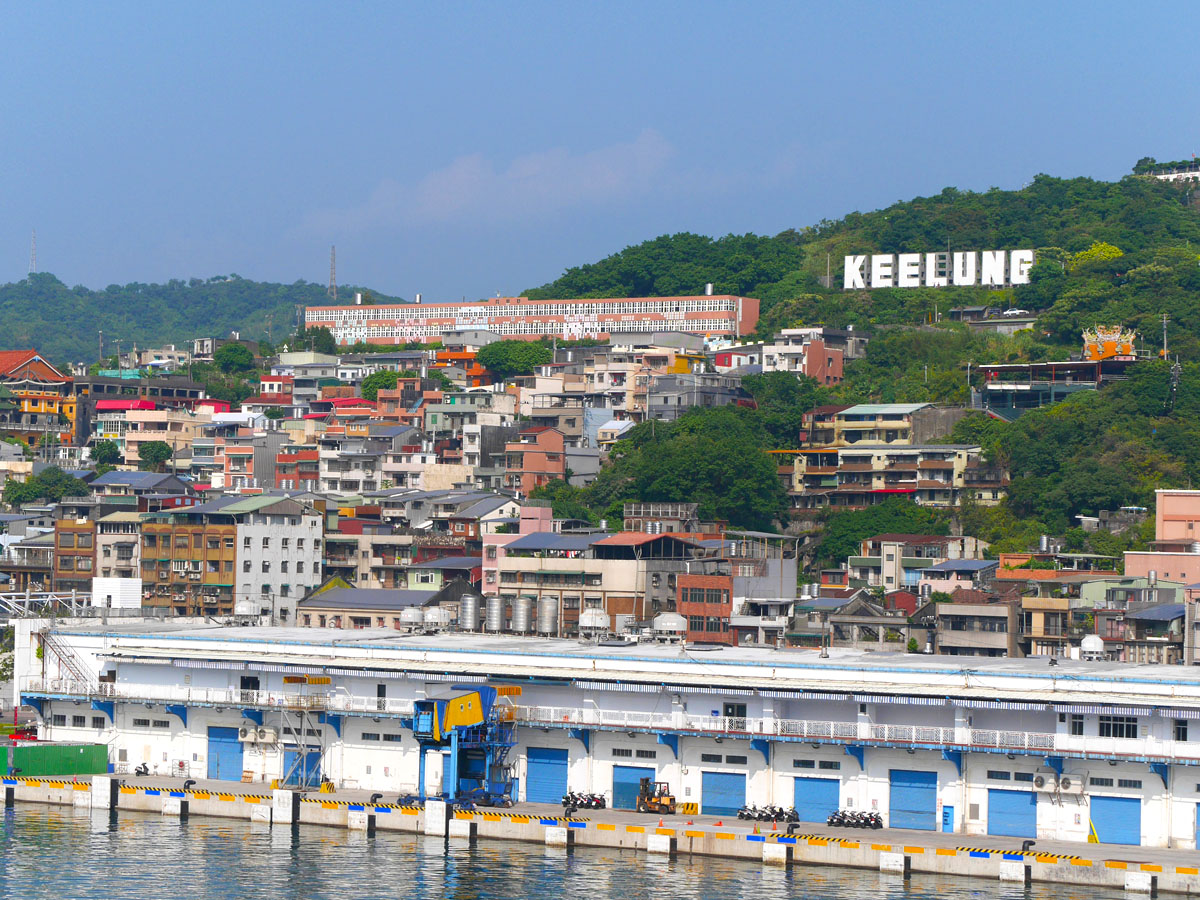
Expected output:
{"points": [[57, 852]]}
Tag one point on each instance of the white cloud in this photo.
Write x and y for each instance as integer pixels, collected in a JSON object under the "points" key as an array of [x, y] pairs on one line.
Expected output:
{"points": [[536, 184]]}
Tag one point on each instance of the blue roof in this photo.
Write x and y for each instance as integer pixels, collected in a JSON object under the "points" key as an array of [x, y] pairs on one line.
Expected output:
{"points": [[549, 540], [450, 562], [964, 565], [136, 479], [1164, 612], [823, 602]]}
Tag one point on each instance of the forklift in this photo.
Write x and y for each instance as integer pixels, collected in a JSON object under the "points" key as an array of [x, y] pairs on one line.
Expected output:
{"points": [[655, 797]]}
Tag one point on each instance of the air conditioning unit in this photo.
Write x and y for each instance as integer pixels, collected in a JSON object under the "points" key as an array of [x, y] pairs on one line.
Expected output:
{"points": [[1045, 783], [1071, 784], [248, 734], [267, 736]]}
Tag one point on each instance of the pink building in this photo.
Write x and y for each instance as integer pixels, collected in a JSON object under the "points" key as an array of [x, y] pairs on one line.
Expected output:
{"points": [[1176, 556], [535, 517], [524, 319], [536, 458]]}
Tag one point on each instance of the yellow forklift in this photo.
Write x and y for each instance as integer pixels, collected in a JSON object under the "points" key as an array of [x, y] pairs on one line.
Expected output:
{"points": [[655, 797]]}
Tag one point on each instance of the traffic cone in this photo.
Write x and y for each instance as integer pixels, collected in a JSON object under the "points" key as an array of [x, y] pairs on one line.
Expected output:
{"points": [[689, 821], [717, 823], [756, 828], [660, 822], [774, 824]]}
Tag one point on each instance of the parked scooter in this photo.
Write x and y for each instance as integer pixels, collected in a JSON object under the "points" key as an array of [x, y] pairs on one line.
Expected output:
{"points": [[143, 769]]}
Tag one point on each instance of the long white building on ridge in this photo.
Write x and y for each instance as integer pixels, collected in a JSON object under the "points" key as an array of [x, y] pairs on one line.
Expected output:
{"points": [[1020, 748]]}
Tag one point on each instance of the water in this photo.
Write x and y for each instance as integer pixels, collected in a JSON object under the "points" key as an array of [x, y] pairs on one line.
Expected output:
{"points": [[56, 852]]}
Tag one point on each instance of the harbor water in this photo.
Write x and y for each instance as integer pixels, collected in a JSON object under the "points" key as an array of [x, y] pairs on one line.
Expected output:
{"points": [[61, 853]]}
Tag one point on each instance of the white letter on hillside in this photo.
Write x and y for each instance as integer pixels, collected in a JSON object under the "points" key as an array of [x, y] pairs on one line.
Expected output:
{"points": [[882, 266], [854, 272], [909, 270], [992, 268], [935, 270], [964, 269], [1019, 265]]}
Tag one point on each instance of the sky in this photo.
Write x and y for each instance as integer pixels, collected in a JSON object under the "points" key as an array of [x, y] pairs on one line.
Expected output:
{"points": [[470, 149]]}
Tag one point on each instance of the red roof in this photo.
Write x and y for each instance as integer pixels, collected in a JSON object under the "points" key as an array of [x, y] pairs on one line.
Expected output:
{"points": [[124, 404], [635, 539], [10, 359], [351, 401]]}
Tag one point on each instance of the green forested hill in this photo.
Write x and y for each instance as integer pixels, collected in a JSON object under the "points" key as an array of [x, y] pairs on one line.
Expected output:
{"points": [[1149, 222], [62, 321]]}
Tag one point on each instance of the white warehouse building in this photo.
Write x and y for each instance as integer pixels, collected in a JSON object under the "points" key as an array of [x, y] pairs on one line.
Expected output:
{"points": [[1020, 748]]}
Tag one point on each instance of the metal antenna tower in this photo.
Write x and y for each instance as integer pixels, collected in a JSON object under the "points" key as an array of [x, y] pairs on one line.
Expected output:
{"points": [[333, 273], [33, 253]]}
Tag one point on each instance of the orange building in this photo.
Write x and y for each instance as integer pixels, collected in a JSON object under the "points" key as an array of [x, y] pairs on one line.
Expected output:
{"points": [[44, 398], [536, 458]]}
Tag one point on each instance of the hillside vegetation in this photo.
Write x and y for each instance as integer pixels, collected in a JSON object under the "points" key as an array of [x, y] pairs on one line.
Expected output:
{"points": [[62, 322]]}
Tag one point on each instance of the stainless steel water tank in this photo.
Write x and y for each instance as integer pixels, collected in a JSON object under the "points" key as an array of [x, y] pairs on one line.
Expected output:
{"points": [[547, 615], [522, 614], [468, 611], [495, 614]]}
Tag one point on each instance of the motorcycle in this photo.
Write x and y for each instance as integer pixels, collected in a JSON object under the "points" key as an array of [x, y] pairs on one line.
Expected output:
{"points": [[748, 812], [143, 769]]}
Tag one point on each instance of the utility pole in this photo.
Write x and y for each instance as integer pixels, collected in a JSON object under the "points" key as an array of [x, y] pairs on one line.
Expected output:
{"points": [[333, 273], [100, 349], [1164, 317], [33, 253]]}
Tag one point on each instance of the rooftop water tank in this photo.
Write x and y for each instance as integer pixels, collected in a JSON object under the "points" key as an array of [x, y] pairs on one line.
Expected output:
{"points": [[522, 615], [495, 614], [468, 611], [547, 615]]}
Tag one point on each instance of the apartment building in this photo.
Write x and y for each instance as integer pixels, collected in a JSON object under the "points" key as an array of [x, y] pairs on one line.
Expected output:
{"points": [[119, 545], [864, 474], [878, 424], [897, 561], [534, 459], [802, 351]]}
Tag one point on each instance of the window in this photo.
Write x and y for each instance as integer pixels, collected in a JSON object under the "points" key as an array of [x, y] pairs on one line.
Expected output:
{"points": [[299, 568], [141, 723], [647, 754], [266, 545], [1133, 783], [996, 775], [246, 566], [266, 566], [283, 543], [393, 738], [299, 543], [78, 721], [283, 567], [1076, 725], [736, 760], [831, 764], [1181, 729], [803, 764], [1100, 782], [711, 757], [66, 540], [370, 736], [98, 722], [623, 752], [695, 623], [1023, 776], [162, 723], [1118, 727]]}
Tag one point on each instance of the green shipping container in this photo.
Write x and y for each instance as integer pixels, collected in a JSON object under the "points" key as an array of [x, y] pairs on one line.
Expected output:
{"points": [[57, 759]]}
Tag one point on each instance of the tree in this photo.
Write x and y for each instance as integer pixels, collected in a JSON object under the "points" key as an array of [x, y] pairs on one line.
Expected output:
{"points": [[234, 357], [52, 483], [152, 455], [106, 453], [845, 531], [318, 340], [275, 413], [383, 380], [504, 359]]}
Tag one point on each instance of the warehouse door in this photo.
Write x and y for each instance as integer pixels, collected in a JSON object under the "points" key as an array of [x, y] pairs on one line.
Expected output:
{"points": [[305, 773], [545, 775], [722, 793], [626, 781], [1012, 813], [913, 800], [1117, 820], [816, 798], [224, 754]]}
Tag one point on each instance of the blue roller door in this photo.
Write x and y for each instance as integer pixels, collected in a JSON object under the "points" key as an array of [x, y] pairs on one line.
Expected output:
{"points": [[1012, 813], [1117, 820], [816, 798], [722, 793], [224, 754], [299, 773], [626, 781], [913, 800], [545, 775]]}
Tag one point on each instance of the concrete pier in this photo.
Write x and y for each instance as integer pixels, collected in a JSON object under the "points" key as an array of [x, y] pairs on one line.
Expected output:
{"points": [[1138, 870]]}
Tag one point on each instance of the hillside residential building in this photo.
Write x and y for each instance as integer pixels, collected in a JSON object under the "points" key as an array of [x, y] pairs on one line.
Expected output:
{"points": [[897, 561], [534, 459], [878, 423], [801, 352], [43, 398]]}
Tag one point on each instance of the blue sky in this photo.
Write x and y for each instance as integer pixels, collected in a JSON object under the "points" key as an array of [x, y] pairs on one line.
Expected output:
{"points": [[472, 149]]}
